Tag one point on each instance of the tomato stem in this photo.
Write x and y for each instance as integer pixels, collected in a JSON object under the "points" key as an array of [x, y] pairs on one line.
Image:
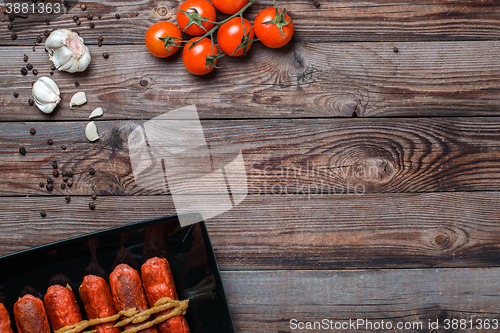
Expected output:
{"points": [[217, 25]]}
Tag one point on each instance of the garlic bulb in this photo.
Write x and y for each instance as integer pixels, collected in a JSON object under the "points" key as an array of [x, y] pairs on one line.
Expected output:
{"points": [[78, 99], [67, 51], [91, 132], [46, 94]]}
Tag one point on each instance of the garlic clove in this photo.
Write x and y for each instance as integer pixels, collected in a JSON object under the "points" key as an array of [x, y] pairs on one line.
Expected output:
{"points": [[46, 107], [91, 132], [46, 94], [56, 39], [78, 99], [96, 113]]}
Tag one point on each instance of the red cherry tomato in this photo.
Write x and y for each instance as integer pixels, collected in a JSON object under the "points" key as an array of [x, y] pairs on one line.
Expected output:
{"points": [[269, 34], [230, 34], [204, 9], [229, 6], [159, 30], [194, 58]]}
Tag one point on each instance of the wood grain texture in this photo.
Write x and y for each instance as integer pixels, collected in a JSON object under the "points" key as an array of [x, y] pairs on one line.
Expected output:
{"points": [[280, 156], [378, 20], [292, 232], [300, 80], [267, 301]]}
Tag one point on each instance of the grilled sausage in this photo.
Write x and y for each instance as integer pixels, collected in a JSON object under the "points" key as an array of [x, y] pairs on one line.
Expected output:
{"points": [[158, 282], [61, 306], [4, 320], [126, 287], [98, 302], [30, 315]]}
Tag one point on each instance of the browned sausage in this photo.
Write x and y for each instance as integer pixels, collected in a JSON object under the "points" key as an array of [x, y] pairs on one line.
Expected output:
{"points": [[4, 320], [61, 306], [126, 287], [98, 302], [158, 282], [30, 315]]}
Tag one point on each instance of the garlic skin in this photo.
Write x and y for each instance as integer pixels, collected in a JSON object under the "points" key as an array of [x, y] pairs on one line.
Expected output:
{"points": [[78, 99], [96, 113], [67, 51], [46, 94], [91, 132]]}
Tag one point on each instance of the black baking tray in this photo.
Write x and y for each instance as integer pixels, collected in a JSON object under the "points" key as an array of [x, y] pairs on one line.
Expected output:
{"points": [[187, 249]]}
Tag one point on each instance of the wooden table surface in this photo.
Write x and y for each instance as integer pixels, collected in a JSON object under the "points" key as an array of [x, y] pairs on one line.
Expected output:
{"points": [[390, 160]]}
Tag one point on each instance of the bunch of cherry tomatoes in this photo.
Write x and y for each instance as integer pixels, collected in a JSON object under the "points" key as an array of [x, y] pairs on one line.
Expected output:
{"points": [[272, 27]]}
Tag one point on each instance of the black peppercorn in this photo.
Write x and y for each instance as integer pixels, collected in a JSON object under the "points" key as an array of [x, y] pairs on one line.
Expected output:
{"points": [[31, 102], [70, 183], [99, 16], [92, 171], [55, 173], [39, 39], [46, 33], [13, 36], [143, 83], [35, 72], [105, 55], [65, 3], [92, 25], [50, 181], [41, 184], [90, 16], [53, 67], [92, 206], [100, 38], [77, 84], [25, 58], [63, 147], [50, 187], [29, 67], [65, 178], [395, 49], [51, 73], [15, 94], [32, 131], [78, 22], [317, 4], [75, 18], [67, 198], [83, 6], [117, 16], [24, 71], [54, 164], [93, 196], [50, 142], [43, 213], [63, 186], [99, 43], [22, 151], [69, 174], [9, 26]]}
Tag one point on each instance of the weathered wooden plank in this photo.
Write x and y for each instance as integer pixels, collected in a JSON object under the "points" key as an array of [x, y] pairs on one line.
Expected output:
{"points": [[378, 20], [268, 301], [303, 80], [280, 156], [292, 231]]}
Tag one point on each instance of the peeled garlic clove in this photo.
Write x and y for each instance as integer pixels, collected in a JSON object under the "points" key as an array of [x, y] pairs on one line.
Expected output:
{"points": [[78, 99], [96, 113], [91, 132], [46, 94], [67, 51]]}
